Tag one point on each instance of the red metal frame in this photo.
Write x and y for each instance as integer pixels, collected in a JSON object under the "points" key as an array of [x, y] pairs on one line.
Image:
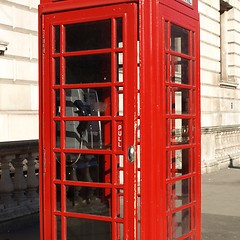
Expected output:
{"points": [[155, 148], [48, 178], [155, 178]]}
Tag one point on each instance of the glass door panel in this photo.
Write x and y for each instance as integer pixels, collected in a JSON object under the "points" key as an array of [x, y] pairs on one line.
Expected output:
{"points": [[91, 128], [181, 130]]}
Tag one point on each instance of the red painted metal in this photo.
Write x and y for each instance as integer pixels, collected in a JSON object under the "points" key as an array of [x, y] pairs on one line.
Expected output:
{"points": [[118, 191], [159, 196], [48, 6]]}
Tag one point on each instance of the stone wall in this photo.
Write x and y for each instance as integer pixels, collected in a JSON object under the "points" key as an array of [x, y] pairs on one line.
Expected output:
{"points": [[19, 70], [220, 147], [220, 77]]}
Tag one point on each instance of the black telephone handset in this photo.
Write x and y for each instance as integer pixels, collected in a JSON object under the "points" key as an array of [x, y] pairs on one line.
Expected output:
{"points": [[83, 110]]}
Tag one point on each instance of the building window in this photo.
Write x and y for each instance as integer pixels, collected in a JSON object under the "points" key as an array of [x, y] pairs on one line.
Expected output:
{"points": [[227, 78]]}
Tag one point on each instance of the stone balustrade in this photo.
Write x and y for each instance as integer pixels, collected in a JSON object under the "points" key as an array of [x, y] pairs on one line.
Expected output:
{"points": [[18, 179], [220, 147]]}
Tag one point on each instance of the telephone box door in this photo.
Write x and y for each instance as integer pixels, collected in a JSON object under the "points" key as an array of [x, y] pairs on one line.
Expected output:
{"points": [[88, 116]]}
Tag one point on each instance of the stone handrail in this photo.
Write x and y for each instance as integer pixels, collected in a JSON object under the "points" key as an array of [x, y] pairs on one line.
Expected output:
{"points": [[19, 179]]}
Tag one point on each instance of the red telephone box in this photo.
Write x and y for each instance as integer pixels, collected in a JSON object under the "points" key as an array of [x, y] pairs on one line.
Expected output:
{"points": [[119, 120]]}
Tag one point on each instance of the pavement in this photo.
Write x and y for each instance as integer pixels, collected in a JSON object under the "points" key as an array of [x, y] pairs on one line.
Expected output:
{"points": [[220, 210], [221, 205]]}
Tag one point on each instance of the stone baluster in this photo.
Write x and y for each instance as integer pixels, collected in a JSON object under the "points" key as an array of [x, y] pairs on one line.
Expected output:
{"points": [[32, 179], [19, 181], [6, 184]]}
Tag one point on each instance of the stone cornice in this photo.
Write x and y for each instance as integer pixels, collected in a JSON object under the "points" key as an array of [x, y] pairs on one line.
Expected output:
{"points": [[220, 129]]}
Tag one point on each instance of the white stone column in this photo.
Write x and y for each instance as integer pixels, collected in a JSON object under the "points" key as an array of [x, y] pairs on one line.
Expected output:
{"points": [[6, 184], [32, 179], [19, 181]]}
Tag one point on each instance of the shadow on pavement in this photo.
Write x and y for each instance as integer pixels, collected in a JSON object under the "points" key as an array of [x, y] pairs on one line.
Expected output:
{"points": [[220, 227], [23, 228]]}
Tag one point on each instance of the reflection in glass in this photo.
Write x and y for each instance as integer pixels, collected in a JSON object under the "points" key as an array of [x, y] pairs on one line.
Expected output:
{"points": [[57, 129], [57, 165], [87, 229], [58, 197], [180, 162], [88, 200], [88, 167], [120, 203], [57, 39], [120, 228], [179, 100], [120, 169], [182, 217], [59, 227], [180, 193], [87, 102], [87, 134], [88, 35], [179, 131], [57, 70], [179, 70], [120, 99], [119, 67], [88, 69], [119, 32], [179, 39], [57, 103]]}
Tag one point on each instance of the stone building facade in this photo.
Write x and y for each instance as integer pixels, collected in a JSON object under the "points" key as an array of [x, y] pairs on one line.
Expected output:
{"points": [[19, 70], [220, 77]]}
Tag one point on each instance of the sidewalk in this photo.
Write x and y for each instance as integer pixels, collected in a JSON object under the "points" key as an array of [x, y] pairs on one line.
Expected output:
{"points": [[221, 205], [220, 210], [24, 228]]}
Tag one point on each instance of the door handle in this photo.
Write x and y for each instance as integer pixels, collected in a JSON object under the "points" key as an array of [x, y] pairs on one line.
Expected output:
{"points": [[131, 153]]}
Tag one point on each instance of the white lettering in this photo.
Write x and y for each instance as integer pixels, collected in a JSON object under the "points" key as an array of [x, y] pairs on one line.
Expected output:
{"points": [[119, 136]]}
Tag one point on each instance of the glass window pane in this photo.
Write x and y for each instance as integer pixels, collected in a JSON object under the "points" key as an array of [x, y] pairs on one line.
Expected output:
{"points": [[120, 203], [120, 169], [88, 200], [119, 33], [57, 133], [59, 227], [58, 165], [180, 193], [87, 229], [179, 72], [180, 162], [57, 39], [57, 71], [88, 35], [88, 102], [179, 131], [58, 197], [88, 134], [120, 228], [57, 103], [179, 100], [88, 69], [120, 99], [179, 39], [88, 167], [180, 223], [119, 67]]}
